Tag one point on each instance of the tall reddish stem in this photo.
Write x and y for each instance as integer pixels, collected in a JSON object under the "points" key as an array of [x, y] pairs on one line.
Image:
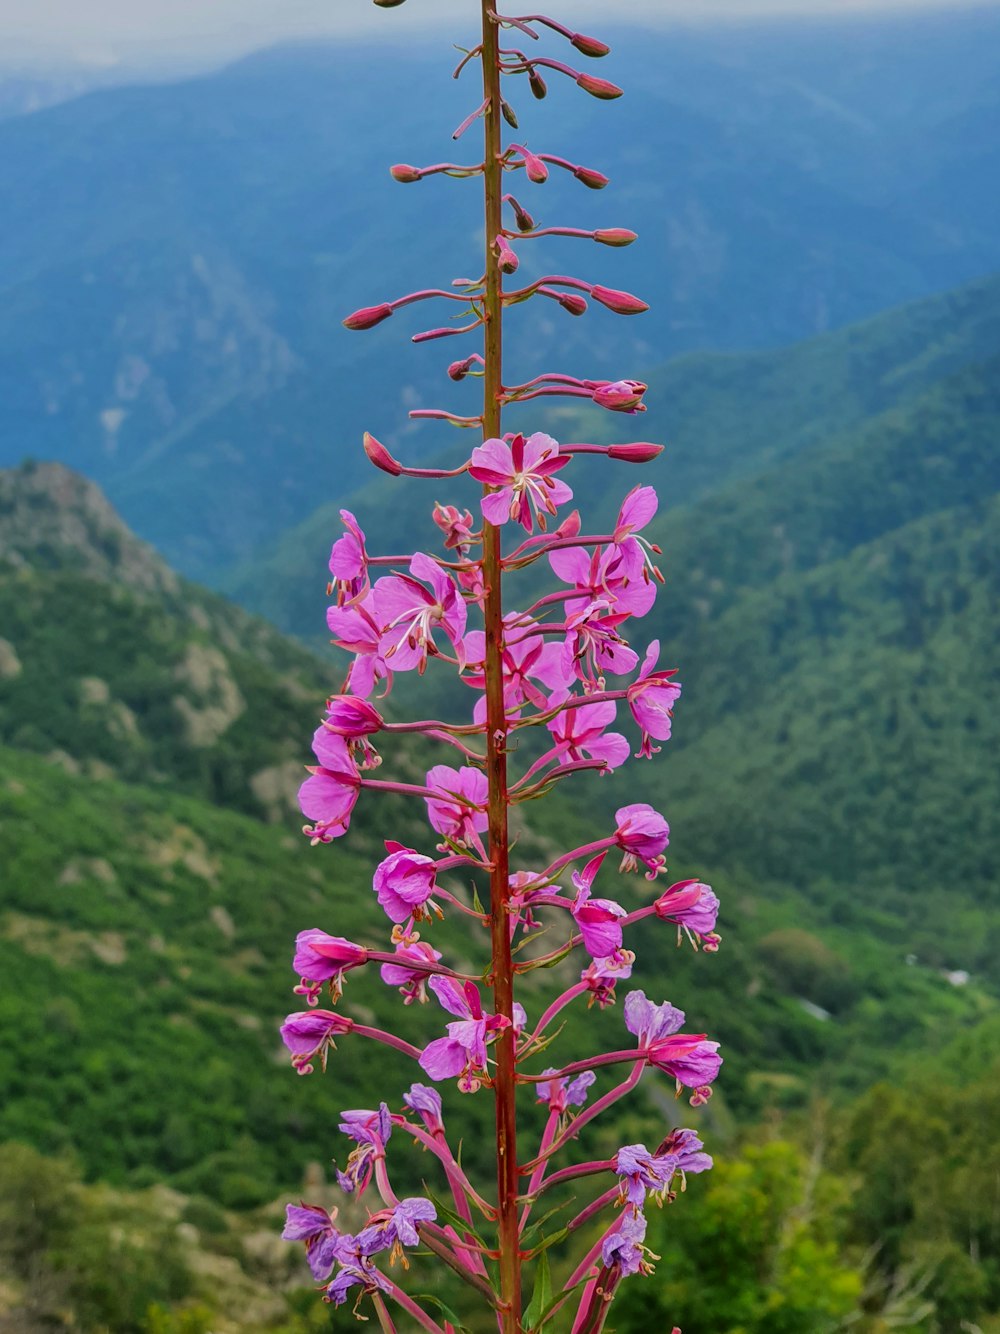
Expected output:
{"points": [[496, 723]]}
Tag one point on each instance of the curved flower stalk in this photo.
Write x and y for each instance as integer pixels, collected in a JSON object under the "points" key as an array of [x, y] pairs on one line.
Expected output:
{"points": [[562, 665]]}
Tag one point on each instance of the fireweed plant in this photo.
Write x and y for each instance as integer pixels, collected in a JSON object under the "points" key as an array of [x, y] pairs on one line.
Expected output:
{"points": [[561, 666]]}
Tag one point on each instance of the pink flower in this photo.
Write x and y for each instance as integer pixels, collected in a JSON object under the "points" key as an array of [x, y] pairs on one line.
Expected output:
{"points": [[642, 834], [328, 797], [355, 630], [580, 734], [522, 470], [409, 613], [412, 982], [693, 1063], [404, 882], [323, 958], [351, 717], [463, 1051], [349, 561], [456, 525], [602, 975], [611, 576], [309, 1034], [526, 658], [458, 809], [593, 645], [598, 920], [561, 1094], [694, 908], [652, 697]]}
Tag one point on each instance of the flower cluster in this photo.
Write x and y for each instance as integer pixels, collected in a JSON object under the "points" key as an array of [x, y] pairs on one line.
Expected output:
{"points": [[561, 674]]}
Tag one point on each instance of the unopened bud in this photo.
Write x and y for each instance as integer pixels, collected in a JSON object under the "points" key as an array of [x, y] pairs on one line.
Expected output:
{"points": [[506, 259], [620, 395], [535, 168], [458, 370], [640, 452], [508, 114], [570, 526], [525, 222], [602, 88], [402, 171], [537, 84], [622, 303], [380, 456], [593, 180], [368, 317], [589, 46], [573, 302], [614, 236], [387, 4]]}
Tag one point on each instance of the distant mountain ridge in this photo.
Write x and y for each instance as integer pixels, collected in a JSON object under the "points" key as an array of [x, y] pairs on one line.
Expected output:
{"points": [[177, 259]]}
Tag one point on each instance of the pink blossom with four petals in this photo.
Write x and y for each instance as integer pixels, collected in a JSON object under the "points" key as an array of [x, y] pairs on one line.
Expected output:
{"points": [[523, 473]]}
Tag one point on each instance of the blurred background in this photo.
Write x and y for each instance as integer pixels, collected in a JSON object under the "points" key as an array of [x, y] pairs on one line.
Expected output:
{"points": [[194, 195]]}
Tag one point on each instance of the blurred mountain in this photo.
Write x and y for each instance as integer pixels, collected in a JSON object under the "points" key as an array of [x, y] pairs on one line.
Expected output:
{"points": [[177, 259]]}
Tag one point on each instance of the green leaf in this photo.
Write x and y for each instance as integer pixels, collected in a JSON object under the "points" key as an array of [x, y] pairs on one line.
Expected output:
{"points": [[446, 1311], [455, 1219], [537, 1227], [544, 1245], [541, 1296]]}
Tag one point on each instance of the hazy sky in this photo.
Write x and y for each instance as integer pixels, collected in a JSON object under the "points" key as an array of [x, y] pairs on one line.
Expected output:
{"points": [[105, 31]]}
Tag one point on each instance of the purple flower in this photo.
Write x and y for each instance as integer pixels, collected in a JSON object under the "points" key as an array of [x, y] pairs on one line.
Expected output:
{"points": [[641, 1171], [561, 1095], [404, 882], [642, 834], [329, 796], [363, 1274], [371, 1132], [409, 613], [694, 908], [426, 1102], [693, 1063], [624, 1250], [650, 1022], [652, 697], [314, 1226], [309, 1034], [458, 808], [322, 958], [687, 1148], [522, 472]]}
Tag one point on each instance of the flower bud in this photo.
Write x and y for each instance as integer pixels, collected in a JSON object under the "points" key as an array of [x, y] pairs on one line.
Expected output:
{"points": [[350, 716], [602, 88], [620, 395], [458, 370], [570, 526], [506, 259], [387, 4], [525, 222], [403, 172], [573, 302], [622, 303], [640, 452], [380, 456], [368, 317], [535, 168], [589, 46], [537, 84], [593, 180], [616, 236], [508, 114]]}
